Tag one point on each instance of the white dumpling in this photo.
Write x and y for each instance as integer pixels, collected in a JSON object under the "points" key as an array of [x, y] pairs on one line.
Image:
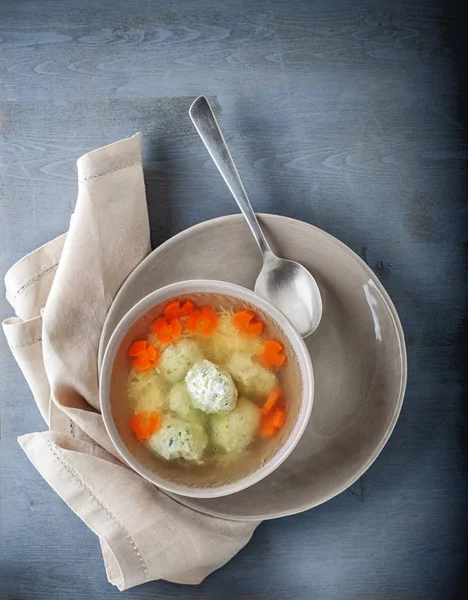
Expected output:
{"points": [[233, 431], [177, 359], [178, 439], [211, 389], [251, 378], [181, 404]]}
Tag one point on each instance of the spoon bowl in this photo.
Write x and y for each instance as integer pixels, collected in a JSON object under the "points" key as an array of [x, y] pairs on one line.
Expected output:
{"points": [[291, 288], [285, 283]]}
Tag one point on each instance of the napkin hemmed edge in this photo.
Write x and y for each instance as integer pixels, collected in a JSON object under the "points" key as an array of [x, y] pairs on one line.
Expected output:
{"points": [[124, 563], [29, 269], [108, 159], [42, 450]]}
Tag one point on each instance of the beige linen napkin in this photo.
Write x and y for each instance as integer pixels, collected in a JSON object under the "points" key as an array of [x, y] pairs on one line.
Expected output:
{"points": [[61, 294]]}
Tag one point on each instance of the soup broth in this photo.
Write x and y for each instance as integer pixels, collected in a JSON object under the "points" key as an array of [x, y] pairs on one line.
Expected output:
{"points": [[204, 389]]}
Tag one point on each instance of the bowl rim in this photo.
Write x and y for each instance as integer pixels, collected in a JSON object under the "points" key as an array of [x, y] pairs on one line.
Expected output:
{"points": [[207, 286]]}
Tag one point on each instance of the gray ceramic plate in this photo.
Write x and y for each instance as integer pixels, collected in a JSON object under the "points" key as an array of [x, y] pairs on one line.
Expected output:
{"points": [[358, 353]]}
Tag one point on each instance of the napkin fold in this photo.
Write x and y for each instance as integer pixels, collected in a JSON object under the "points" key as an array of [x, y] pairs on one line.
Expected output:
{"points": [[61, 294]]}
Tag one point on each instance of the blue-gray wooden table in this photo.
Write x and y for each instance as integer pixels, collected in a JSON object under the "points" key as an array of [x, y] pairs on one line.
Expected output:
{"points": [[347, 114]]}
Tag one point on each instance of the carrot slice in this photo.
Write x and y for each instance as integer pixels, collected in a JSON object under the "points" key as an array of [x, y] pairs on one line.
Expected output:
{"points": [[273, 347], [172, 310], [208, 321], [165, 337], [176, 310], [272, 423], [242, 318], [256, 329], [158, 325], [166, 331], [154, 421], [267, 430], [277, 360], [144, 424], [144, 355], [137, 348], [176, 329], [272, 355], [135, 425], [186, 308], [203, 321], [247, 322], [152, 353], [192, 321], [271, 401], [279, 418], [141, 363]]}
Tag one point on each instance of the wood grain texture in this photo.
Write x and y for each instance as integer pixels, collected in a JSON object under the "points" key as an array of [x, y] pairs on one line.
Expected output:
{"points": [[344, 113]]}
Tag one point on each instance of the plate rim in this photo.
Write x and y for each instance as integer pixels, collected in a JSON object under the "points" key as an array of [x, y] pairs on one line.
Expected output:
{"points": [[186, 501]]}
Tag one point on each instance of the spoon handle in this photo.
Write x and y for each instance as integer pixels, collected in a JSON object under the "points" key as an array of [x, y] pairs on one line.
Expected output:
{"points": [[205, 123]]}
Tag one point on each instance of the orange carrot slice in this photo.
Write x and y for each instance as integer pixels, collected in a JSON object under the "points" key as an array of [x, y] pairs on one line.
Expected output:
{"points": [[165, 337], [144, 424], [271, 423], [166, 331], [242, 318], [192, 321], [172, 310], [186, 308], [208, 320], [141, 363], [267, 429], [158, 325], [152, 353], [176, 329], [248, 322], [135, 425], [137, 348], [154, 421], [256, 329], [203, 321], [271, 401], [279, 418], [176, 310], [272, 355], [144, 355]]}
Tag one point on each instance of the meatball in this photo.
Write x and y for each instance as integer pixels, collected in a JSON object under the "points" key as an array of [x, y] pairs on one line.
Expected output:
{"points": [[235, 430], [177, 359], [181, 404], [211, 389], [179, 439], [251, 378]]}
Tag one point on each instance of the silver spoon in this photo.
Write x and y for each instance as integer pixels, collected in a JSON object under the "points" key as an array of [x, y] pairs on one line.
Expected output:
{"points": [[285, 283]]}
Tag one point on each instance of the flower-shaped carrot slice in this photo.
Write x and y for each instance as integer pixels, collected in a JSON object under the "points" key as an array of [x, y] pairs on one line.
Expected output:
{"points": [[144, 355], [272, 355], [271, 401], [144, 424], [166, 331], [203, 321], [271, 424], [247, 322], [176, 310]]}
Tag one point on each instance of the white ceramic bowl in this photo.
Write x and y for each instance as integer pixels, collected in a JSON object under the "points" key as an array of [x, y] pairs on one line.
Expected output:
{"points": [[297, 350]]}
